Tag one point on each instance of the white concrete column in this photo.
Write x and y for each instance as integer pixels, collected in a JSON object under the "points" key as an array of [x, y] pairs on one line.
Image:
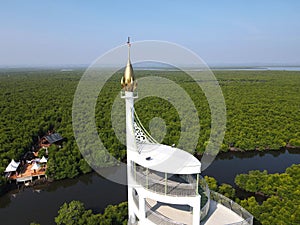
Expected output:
{"points": [[196, 210], [197, 184], [166, 183], [142, 208], [130, 143], [147, 178], [131, 215], [130, 138]]}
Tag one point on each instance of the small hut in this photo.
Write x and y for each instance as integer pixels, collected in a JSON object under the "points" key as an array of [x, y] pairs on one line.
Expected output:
{"points": [[11, 168], [50, 139], [35, 167], [43, 160]]}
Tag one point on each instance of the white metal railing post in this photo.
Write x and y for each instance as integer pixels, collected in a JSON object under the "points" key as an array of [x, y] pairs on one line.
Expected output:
{"points": [[142, 208], [147, 178], [197, 184], [134, 171], [166, 182]]}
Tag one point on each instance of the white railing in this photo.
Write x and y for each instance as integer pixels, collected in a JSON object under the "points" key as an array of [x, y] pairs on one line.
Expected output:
{"points": [[159, 185], [158, 218], [233, 206], [155, 216], [205, 198]]}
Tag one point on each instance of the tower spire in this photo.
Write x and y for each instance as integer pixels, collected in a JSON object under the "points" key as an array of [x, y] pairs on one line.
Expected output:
{"points": [[129, 45], [128, 81]]}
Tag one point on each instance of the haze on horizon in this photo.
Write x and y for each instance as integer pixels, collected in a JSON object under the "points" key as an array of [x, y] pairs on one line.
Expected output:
{"points": [[35, 33]]}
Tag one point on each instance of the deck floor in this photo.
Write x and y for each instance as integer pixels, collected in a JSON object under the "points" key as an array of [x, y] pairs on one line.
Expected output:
{"points": [[27, 172], [217, 215], [174, 213]]}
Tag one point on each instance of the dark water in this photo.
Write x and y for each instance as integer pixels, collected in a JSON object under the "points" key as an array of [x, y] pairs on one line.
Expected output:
{"points": [[227, 165], [96, 192], [29, 205]]}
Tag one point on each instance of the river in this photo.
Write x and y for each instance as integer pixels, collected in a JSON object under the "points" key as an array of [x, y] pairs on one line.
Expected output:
{"points": [[41, 205]]}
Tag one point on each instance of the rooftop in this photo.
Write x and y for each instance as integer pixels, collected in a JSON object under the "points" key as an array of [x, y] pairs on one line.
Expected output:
{"points": [[52, 138], [27, 171], [167, 159]]}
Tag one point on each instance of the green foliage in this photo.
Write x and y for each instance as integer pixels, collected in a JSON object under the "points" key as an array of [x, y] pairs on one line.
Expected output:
{"points": [[64, 162], [227, 190], [211, 182], [224, 189], [255, 183], [31, 103], [84, 167], [34, 223], [74, 213], [295, 142], [115, 214], [283, 204], [261, 114], [261, 109], [252, 206]]}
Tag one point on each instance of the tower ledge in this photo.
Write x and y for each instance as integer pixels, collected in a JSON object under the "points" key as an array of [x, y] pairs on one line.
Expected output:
{"points": [[166, 159]]}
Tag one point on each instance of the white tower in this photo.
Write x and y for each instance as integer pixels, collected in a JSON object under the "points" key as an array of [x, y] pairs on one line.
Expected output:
{"points": [[128, 85], [164, 185]]}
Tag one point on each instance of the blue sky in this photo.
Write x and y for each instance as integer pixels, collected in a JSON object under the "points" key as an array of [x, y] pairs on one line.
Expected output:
{"points": [[35, 32]]}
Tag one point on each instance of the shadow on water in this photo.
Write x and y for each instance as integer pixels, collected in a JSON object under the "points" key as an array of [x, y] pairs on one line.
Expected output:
{"points": [[242, 194], [52, 187], [41, 204]]}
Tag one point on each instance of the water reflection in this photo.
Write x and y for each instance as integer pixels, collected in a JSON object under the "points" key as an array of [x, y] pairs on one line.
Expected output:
{"points": [[228, 165], [42, 203]]}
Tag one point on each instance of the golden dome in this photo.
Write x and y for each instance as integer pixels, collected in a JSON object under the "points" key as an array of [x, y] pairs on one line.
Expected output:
{"points": [[128, 81]]}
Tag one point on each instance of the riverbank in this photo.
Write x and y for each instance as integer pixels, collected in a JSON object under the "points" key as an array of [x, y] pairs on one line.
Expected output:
{"points": [[288, 146], [228, 164], [97, 192], [221, 156]]}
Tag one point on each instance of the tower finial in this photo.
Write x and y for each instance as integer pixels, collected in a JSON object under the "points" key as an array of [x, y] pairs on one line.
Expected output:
{"points": [[128, 81], [129, 45], [128, 41]]}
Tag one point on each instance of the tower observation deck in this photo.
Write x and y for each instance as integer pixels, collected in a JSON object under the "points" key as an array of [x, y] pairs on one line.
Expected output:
{"points": [[164, 183]]}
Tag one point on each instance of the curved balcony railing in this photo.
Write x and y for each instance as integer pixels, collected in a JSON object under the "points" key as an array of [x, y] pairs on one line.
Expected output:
{"points": [[233, 206], [158, 184], [205, 198], [159, 218], [155, 216]]}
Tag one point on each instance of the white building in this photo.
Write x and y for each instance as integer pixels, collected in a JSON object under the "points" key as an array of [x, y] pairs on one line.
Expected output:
{"points": [[164, 182]]}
